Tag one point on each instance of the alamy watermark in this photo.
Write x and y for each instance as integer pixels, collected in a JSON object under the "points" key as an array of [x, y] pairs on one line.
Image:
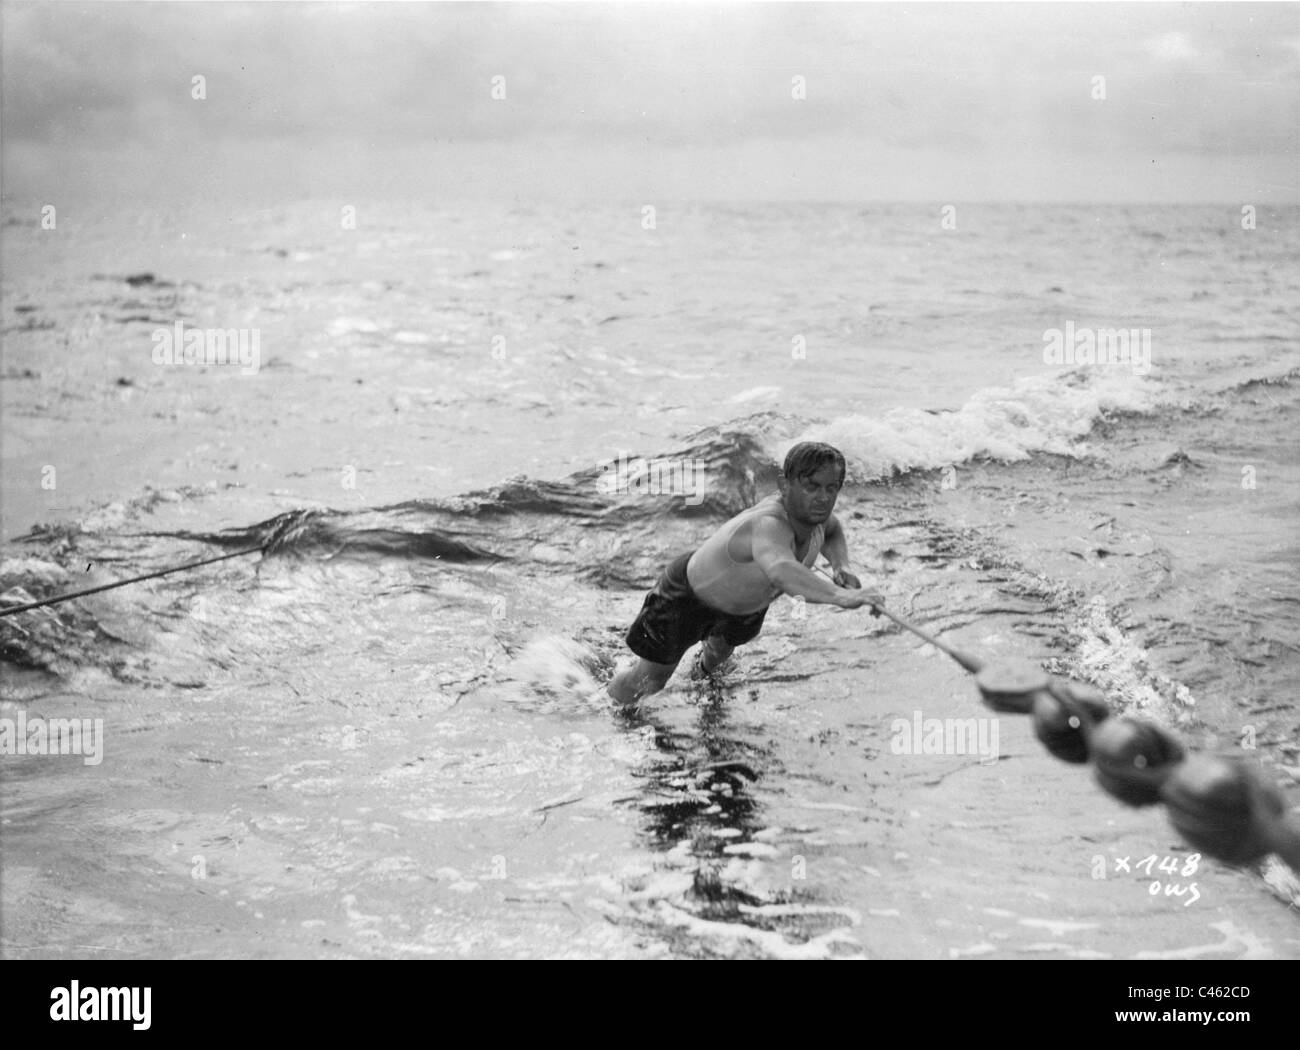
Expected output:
{"points": [[945, 736], [73, 1003], [55, 736], [208, 346], [654, 477], [1098, 346]]}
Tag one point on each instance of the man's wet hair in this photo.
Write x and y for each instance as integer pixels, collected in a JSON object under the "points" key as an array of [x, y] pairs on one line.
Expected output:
{"points": [[808, 457]]}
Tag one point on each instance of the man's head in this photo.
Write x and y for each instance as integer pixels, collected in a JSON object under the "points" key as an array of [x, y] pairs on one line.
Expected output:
{"points": [[811, 480]]}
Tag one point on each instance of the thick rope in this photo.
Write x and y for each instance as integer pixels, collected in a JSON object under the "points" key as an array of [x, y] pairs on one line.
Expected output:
{"points": [[1218, 803]]}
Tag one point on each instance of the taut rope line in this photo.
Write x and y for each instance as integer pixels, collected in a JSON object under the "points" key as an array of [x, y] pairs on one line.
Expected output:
{"points": [[278, 536]]}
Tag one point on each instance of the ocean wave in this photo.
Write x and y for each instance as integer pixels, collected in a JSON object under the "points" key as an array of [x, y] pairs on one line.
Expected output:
{"points": [[713, 474], [403, 530], [1255, 382], [1038, 414]]}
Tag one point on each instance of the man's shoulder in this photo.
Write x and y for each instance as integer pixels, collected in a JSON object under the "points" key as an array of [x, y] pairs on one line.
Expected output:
{"points": [[766, 516], [769, 514], [771, 504]]}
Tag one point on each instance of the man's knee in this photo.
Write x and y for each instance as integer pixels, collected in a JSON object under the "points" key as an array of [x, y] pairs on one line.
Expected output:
{"points": [[640, 680], [715, 651], [718, 646], [655, 676]]}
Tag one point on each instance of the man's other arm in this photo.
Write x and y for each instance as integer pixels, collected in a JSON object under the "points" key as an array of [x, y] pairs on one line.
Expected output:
{"points": [[835, 549]]}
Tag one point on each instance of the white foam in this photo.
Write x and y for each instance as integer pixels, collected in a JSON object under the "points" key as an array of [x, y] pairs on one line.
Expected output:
{"points": [[553, 665], [1059, 927], [1240, 944], [1036, 414], [348, 325], [773, 944], [1114, 661], [756, 393]]}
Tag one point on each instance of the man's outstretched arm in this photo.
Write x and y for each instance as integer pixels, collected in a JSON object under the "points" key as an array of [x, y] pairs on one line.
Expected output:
{"points": [[770, 546]]}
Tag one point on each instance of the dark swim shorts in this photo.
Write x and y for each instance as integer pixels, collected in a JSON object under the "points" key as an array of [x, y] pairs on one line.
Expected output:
{"points": [[672, 619]]}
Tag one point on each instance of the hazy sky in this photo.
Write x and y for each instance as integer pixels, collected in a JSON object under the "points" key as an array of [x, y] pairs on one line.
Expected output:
{"points": [[941, 102]]}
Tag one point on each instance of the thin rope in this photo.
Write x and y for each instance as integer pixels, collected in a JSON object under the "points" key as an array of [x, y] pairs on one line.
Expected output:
{"points": [[11, 609]]}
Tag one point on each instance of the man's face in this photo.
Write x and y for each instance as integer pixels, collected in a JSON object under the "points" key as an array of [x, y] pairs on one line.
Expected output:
{"points": [[811, 499]]}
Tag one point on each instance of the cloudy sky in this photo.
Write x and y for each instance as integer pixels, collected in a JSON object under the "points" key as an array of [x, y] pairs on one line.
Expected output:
{"points": [[630, 101]]}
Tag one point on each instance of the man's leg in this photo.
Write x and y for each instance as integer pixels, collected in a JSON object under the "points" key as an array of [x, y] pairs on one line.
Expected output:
{"points": [[668, 625], [640, 680], [714, 653], [725, 635]]}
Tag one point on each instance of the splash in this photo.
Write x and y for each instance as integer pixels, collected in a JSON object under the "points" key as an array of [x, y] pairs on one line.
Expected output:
{"points": [[556, 668]]}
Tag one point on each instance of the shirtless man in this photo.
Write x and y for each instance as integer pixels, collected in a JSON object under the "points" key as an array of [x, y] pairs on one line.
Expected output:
{"points": [[719, 594]]}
